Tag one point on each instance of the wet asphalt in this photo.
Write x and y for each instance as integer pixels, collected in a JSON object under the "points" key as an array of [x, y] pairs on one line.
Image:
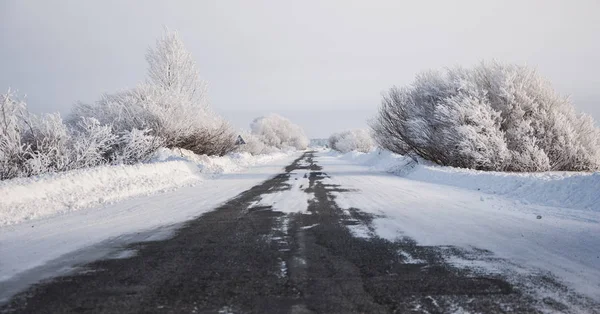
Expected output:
{"points": [[243, 258]]}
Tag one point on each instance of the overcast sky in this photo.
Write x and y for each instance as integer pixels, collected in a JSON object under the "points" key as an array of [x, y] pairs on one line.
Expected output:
{"points": [[323, 64]]}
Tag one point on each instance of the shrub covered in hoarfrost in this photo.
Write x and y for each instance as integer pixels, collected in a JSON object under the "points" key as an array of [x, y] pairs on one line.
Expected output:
{"points": [[169, 109], [13, 148], [352, 140], [254, 145], [491, 117], [170, 105], [276, 131], [32, 144]]}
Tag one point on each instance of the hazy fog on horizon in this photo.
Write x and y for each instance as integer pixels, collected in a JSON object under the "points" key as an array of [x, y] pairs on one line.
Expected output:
{"points": [[323, 64]]}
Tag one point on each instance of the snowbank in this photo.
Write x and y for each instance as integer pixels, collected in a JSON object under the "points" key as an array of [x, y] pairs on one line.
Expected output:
{"points": [[578, 190], [50, 194]]}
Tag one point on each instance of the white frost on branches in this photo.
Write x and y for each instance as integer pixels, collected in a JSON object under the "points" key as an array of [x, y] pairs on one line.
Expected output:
{"points": [[171, 105], [276, 131], [172, 68], [491, 117], [32, 144], [352, 140], [254, 145], [170, 109]]}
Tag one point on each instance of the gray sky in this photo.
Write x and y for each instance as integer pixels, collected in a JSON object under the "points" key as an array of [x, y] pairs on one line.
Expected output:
{"points": [[322, 64]]}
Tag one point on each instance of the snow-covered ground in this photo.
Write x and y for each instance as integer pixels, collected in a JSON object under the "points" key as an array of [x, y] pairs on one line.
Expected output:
{"points": [[537, 223], [573, 190], [51, 194], [546, 222], [53, 227]]}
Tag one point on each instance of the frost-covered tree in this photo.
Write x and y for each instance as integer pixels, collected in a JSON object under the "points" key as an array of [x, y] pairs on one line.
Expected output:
{"points": [[172, 68], [171, 105], [352, 140], [170, 109], [492, 117], [277, 131]]}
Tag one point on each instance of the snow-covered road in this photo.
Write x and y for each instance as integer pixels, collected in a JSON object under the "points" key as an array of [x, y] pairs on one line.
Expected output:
{"points": [[320, 233]]}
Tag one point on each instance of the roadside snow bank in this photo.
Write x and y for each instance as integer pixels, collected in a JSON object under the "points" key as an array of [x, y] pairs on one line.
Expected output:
{"points": [[562, 245], [23, 199], [578, 190]]}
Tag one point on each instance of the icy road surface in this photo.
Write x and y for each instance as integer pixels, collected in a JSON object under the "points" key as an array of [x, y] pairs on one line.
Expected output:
{"points": [[329, 236]]}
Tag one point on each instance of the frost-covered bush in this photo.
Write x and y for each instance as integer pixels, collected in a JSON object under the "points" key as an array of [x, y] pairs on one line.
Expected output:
{"points": [[352, 140], [277, 131], [49, 144], [169, 109], [32, 144], [171, 105], [491, 117], [93, 144], [13, 150], [135, 146], [272, 133], [215, 140], [254, 145]]}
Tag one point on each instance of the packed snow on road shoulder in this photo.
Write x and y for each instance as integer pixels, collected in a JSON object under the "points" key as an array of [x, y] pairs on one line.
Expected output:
{"points": [[508, 214], [574, 190], [32, 198]]}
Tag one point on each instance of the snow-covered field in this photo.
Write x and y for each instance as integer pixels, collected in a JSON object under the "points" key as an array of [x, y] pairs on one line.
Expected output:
{"points": [[58, 215], [547, 222]]}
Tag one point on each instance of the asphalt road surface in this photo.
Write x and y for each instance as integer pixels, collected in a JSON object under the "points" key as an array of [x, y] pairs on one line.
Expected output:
{"points": [[244, 258]]}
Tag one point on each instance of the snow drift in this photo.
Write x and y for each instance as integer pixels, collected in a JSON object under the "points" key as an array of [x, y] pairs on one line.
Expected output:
{"points": [[50, 194], [578, 190]]}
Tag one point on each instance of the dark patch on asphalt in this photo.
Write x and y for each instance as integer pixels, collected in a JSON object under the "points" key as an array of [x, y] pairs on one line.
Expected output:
{"points": [[259, 208], [305, 162], [244, 258]]}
